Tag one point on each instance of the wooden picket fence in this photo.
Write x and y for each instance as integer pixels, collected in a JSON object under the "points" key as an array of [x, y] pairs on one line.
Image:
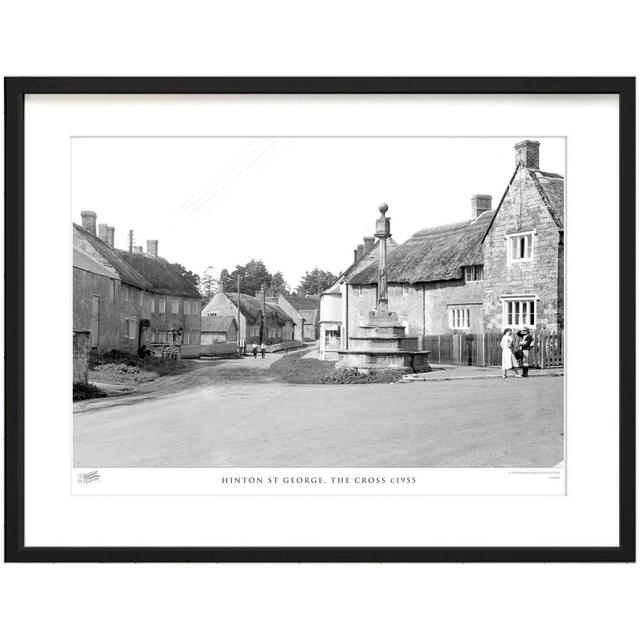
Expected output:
{"points": [[483, 349]]}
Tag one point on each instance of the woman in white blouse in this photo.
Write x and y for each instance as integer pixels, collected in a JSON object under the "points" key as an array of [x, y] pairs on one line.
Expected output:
{"points": [[508, 359]]}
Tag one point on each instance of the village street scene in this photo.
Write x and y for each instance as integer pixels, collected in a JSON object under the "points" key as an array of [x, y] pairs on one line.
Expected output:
{"points": [[440, 345]]}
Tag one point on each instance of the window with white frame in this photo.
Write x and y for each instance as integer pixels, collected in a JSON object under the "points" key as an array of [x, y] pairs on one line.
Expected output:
{"points": [[459, 318], [187, 307], [474, 273], [518, 312], [153, 304], [186, 337], [358, 290], [405, 288], [162, 305], [520, 247], [175, 305]]}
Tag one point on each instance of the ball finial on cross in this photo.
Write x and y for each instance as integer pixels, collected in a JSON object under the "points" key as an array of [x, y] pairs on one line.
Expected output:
{"points": [[383, 208]]}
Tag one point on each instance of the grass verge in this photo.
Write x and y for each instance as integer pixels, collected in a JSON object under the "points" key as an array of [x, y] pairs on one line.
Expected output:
{"points": [[298, 370]]}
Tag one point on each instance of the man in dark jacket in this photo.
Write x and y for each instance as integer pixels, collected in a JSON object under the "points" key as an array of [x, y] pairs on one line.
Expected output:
{"points": [[526, 342]]}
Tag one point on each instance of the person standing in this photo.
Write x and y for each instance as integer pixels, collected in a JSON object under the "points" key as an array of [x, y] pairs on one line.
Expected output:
{"points": [[254, 350], [263, 349], [508, 359], [526, 342]]}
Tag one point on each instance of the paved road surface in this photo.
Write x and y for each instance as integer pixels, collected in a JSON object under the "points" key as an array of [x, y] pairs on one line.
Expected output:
{"points": [[222, 422]]}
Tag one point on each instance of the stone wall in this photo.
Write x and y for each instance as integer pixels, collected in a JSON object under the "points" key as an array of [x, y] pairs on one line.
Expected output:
{"points": [[81, 348], [85, 286], [524, 210], [425, 307]]}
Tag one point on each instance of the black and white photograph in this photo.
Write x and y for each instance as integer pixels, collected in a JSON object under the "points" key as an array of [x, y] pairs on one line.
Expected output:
{"points": [[318, 302]]}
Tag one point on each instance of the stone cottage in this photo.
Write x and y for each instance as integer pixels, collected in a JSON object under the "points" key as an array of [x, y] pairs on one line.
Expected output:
{"points": [[260, 321], [305, 311], [149, 301], [498, 268]]}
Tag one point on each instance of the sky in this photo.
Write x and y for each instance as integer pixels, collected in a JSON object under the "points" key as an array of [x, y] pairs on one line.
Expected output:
{"points": [[295, 203]]}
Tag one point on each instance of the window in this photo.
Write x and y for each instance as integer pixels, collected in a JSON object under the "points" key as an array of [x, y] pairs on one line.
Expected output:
{"points": [[520, 247], [162, 337], [175, 304], [187, 307], [186, 337], [358, 290], [405, 288], [131, 328], [519, 312], [162, 305], [459, 318], [153, 304], [474, 273]]}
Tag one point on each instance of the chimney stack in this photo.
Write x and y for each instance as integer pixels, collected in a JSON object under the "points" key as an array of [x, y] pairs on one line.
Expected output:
{"points": [[152, 248], [360, 251], [355, 255], [102, 232], [369, 241], [89, 221], [110, 234], [528, 152], [479, 204]]}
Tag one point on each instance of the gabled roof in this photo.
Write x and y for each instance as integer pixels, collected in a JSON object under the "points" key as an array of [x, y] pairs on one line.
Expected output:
{"points": [[85, 262], [434, 253], [140, 269], [550, 186], [303, 302], [217, 324], [251, 308], [127, 274], [359, 265]]}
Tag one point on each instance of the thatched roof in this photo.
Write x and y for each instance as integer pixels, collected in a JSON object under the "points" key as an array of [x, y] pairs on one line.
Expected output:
{"points": [[303, 302], [85, 262], [251, 308], [140, 269], [217, 324], [165, 278], [432, 254]]}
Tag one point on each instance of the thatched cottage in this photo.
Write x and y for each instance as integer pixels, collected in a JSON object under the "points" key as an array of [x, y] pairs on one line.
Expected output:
{"points": [[137, 300], [305, 312], [502, 267], [260, 321]]}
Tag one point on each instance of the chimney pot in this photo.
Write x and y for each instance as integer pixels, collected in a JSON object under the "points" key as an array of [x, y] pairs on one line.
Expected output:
{"points": [[110, 235], [528, 152], [89, 221], [360, 251], [479, 204], [369, 241], [152, 247], [102, 232]]}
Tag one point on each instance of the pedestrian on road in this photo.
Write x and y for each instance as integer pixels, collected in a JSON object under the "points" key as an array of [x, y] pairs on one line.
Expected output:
{"points": [[263, 349], [508, 359], [523, 352], [254, 350]]}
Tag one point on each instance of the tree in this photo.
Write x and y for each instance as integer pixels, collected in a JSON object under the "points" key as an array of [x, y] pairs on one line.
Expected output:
{"points": [[315, 282], [252, 276], [192, 278], [208, 284], [278, 285]]}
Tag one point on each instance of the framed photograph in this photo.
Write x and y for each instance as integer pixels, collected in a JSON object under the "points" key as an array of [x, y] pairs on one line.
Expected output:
{"points": [[320, 319]]}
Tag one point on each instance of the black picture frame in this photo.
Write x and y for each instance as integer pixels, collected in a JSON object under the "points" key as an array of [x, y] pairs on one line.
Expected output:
{"points": [[15, 91]]}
